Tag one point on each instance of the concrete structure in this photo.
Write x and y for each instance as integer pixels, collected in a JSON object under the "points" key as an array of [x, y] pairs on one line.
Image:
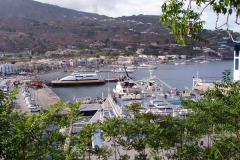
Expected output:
{"points": [[7, 69], [236, 68], [236, 72]]}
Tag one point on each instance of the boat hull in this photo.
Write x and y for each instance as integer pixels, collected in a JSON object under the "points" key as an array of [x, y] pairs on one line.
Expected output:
{"points": [[77, 83]]}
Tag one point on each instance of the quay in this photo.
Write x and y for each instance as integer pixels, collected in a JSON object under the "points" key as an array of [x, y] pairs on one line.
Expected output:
{"points": [[43, 96]]}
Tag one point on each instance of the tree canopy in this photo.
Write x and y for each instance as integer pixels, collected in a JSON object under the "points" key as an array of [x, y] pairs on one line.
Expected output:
{"points": [[215, 118], [183, 17]]}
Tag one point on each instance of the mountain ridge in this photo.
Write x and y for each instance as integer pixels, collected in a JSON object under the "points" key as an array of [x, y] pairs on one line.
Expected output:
{"points": [[39, 27]]}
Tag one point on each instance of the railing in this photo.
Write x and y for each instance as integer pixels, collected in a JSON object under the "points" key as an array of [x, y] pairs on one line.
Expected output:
{"points": [[175, 112], [206, 80], [116, 108]]}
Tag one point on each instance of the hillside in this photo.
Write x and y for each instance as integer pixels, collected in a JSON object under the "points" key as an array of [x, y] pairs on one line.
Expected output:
{"points": [[30, 25]]}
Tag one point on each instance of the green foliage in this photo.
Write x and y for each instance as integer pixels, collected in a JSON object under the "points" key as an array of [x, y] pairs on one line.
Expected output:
{"points": [[215, 117], [186, 23], [33, 136], [83, 140], [102, 152]]}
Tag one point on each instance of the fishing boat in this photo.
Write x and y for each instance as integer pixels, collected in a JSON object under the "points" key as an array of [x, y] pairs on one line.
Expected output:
{"points": [[77, 78]]}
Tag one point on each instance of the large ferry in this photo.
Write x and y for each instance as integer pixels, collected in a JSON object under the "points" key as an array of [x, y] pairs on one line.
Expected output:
{"points": [[79, 79]]}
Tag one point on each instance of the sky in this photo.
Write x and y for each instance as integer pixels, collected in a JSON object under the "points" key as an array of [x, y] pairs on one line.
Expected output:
{"points": [[118, 8]]}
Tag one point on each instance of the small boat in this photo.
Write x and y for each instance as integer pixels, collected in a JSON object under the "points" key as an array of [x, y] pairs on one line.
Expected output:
{"points": [[122, 70], [176, 63], [132, 67], [204, 61], [183, 62]]}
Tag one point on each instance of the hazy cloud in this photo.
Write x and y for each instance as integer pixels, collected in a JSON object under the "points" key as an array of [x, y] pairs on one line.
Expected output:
{"points": [[117, 8], [112, 8]]}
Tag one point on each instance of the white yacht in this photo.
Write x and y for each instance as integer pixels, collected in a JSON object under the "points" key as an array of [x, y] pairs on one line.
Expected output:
{"points": [[147, 66], [129, 89], [126, 87], [132, 67], [204, 61]]}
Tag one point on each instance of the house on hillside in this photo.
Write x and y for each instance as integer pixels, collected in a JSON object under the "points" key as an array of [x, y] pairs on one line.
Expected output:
{"points": [[140, 50]]}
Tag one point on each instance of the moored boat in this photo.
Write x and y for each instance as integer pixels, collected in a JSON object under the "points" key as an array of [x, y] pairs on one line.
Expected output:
{"points": [[122, 70], [147, 66], [79, 79]]}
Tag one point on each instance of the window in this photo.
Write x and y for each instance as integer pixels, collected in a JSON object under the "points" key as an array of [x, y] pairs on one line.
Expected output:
{"points": [[236, 64], [236, 52]]}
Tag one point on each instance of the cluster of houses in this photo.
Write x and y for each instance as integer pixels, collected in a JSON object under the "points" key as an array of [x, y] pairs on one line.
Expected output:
{"points": [[64, 63]]}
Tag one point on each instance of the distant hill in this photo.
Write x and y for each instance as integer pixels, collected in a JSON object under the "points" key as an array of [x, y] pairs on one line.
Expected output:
{"points": [[31, 25]]}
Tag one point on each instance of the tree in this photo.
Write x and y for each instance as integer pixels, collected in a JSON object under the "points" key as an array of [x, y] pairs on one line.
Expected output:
{"points": [[217, 116], [180, 17], [33, 136], [112, 130]]}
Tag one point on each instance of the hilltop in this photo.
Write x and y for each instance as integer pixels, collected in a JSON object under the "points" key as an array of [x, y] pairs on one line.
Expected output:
{"points": [[30, 25]]}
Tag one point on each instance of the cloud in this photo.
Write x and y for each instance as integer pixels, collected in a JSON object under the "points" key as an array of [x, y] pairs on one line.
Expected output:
{"points": [[118, 8], [112, 8], [212, 21]]}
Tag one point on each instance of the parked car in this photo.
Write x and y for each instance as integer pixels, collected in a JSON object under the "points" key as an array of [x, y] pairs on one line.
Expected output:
{"points": [[33, 108]]}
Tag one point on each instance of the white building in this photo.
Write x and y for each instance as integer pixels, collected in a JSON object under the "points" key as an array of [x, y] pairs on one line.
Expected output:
{"points": [[7, 69], [140, 50], [236, 72], [162, 57], [236, 65]]}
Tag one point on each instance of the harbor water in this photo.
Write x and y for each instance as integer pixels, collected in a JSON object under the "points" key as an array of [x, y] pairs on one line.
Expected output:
{"points": [[177, 76]]}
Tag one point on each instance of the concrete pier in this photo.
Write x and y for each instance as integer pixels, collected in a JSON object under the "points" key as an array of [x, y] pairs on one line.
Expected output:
{"points": [[44, 97]]}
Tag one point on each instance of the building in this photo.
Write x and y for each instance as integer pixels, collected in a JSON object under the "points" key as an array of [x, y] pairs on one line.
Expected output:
{"points": [[7, 69], [236, 68]]}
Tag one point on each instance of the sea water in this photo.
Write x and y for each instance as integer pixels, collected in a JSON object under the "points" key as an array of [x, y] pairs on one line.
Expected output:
{"points": [[176, 76]]}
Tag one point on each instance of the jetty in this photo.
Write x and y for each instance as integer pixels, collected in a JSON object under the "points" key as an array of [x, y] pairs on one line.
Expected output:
{"points": [[40, 93]]}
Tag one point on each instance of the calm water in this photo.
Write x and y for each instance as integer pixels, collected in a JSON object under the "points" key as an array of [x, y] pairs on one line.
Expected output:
{"points": [[177, 76]]}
